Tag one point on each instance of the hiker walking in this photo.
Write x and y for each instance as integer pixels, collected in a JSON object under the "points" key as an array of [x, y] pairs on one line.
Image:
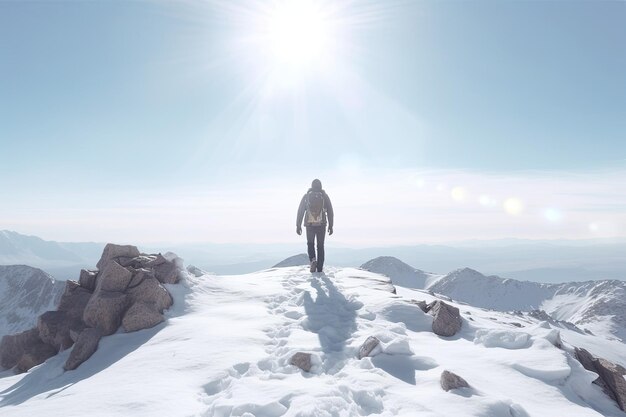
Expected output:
{"points": [[317, 211]]}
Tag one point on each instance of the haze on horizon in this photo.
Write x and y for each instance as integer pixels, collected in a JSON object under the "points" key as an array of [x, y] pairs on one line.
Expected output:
{"points": [[205, 121]]}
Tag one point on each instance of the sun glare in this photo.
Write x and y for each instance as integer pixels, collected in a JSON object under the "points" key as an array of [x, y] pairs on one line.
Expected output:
{"points": [[298, 33]]}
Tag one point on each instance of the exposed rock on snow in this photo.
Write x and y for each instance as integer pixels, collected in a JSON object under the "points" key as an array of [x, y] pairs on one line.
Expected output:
{"points": [[85, 346], [112, 251], [54, 329], [451, 380], [302, 360], [195, 271], [368, 347], [113, 278], [87, 279], [34, 355], [131, 295], [74, 299], [296, 260], [105, 311], [610, 376], [141, 316], [446, 319], [13, 346]]}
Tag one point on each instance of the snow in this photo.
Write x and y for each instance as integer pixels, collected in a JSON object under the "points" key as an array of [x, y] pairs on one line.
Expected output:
{"points": [[597, 306], [225, 348]]}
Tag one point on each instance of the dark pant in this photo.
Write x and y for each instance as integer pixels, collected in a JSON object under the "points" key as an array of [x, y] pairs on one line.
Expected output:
{"points": [[311, 233]]}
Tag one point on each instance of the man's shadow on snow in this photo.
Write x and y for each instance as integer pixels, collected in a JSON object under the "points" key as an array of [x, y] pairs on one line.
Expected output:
{"points": [[330, 315]]}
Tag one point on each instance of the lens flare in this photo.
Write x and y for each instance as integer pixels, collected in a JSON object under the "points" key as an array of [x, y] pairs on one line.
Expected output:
{"points": [[458, 194], [513, 206], [552, 214]]}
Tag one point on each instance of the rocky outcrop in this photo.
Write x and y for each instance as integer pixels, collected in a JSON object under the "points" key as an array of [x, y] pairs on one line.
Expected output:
{"points": [[141, 316], [610, 375], [127, 289], [451, 380], [368, 347], [446, 318], [302, 360], [112, 251], [13, 347], [54, 329], [34, 355], [85, 346], [87, 279], [105, 311]]}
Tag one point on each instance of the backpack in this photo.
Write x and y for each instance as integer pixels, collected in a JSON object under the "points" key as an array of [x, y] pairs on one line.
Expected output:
{"points": [[314, 208]]}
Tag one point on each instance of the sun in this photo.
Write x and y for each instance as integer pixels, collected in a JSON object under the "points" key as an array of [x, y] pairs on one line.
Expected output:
{"points": [[299, 33]]}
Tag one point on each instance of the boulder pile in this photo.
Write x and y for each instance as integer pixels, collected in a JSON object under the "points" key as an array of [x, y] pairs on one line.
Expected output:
{"points": [[126, 290]]}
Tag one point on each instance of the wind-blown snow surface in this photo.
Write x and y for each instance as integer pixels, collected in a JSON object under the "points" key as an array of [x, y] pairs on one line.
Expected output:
{"points": [[25, 293], [598, 306], [225, 349]]}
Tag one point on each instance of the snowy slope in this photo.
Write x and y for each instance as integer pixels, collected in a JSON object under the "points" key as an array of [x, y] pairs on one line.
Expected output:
{"points": [[401, 273], [25, 293], [598, 306], [225, 347]]}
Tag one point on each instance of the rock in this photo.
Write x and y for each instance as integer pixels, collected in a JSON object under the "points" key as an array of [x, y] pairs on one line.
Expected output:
{"points": [[12, 347], [368, 346], [54, 329], [166, 273], [76, 328], [140, 316], [301, 360], [112, 251], [450, 381], [150, 291], [613, 376], [87, 279], [158, 260], [105, 311], [113, 277], [34, 355], [610, 375], [447, 319], [74, 299], [140, 261], [423, 306], [85, 346], [195, 271]]}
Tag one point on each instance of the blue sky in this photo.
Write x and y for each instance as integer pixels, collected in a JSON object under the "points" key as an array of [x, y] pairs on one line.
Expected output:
{"points": [[138, 101]]}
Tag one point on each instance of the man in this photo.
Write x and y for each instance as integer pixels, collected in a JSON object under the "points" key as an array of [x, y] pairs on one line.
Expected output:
{"points": [[317, 211]]}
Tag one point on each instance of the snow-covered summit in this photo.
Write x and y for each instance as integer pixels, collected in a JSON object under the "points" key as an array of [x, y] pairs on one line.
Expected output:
{"points": [[226, 345], [25, 293], [295, 260], [400, 272]]}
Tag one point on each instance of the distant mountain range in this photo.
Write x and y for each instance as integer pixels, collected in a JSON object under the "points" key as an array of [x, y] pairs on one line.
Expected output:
{"points": [[25, 293], [62, 260], [542, 261], [598, 306]]}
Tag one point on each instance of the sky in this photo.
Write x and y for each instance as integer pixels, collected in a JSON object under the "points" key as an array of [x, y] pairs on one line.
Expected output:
{"points": [[205, 121]]}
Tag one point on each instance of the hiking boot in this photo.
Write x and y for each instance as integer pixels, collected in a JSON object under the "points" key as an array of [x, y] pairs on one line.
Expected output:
{"points": [[313, 265]]}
